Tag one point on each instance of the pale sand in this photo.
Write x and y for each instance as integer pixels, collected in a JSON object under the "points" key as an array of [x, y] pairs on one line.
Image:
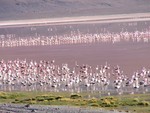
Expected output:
{"points": [[118, 18]]}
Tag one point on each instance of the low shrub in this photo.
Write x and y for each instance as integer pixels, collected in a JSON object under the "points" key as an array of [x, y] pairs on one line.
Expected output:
{"points": [[75, 96], [93, 100], [58, 97], [108, 102], [27, 99], [135, 100], [94, 104], [4, 95], [16, 99], [40, 99], [45, 97], [32, 102], [144, 103]]}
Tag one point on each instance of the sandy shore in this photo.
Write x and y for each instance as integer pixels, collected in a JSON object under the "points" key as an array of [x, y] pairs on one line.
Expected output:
{"points": [[78, 20]]}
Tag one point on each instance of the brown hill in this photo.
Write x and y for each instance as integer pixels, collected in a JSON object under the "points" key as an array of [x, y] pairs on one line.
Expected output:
{"points": [[22, 9]]}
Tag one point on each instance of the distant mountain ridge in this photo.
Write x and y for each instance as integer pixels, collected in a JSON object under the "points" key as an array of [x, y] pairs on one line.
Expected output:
{"points": [[25, 9]]}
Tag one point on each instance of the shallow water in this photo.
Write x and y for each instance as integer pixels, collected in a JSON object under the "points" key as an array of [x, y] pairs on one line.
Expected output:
{"points": [[130, 56]]}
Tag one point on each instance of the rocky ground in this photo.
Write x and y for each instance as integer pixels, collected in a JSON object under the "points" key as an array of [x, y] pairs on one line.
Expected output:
{"points": [[15, 108]]}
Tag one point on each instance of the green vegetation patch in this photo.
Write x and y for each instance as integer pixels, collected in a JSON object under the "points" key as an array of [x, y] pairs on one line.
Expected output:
{"points": [[120, 102], [5, 95]]}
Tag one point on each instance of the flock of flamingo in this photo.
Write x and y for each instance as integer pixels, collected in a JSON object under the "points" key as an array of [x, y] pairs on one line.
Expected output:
{"points": [[47, 76], [137, 36]]}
